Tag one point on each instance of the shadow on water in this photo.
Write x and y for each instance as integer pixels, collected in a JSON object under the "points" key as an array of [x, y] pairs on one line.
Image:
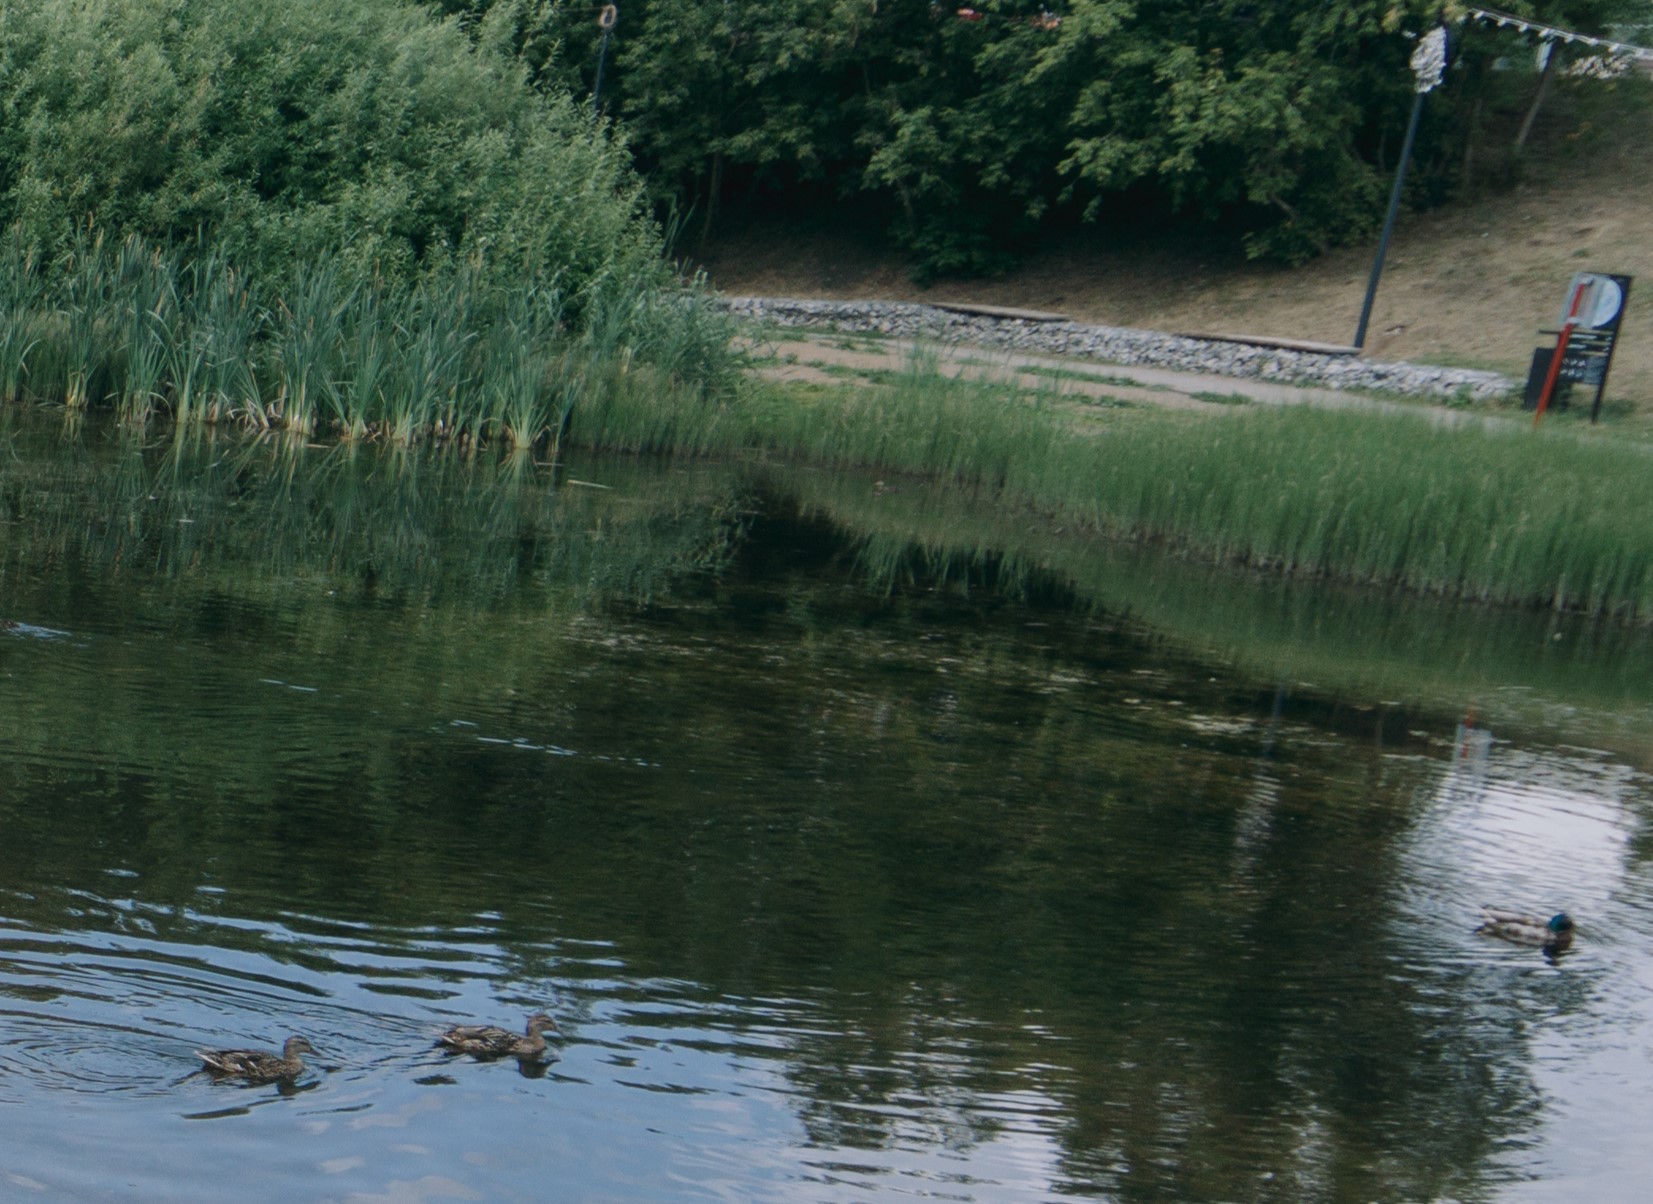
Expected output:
{"points": [[860, 841]]}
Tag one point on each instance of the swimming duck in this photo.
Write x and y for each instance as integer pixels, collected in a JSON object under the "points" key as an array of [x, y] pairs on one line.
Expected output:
{"points": [[255, 1065], [486, 1041], [1554, 934]]}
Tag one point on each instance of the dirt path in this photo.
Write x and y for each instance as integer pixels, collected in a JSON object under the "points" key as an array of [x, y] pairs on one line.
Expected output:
{"points": [[826, 357]]}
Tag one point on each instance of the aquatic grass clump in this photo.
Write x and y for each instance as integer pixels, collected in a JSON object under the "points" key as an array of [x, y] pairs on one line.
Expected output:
{"points": [[975, 431], [89, 303], [514, 368], [21, 310], [367, 333], [1488, 511], [144, 296], [212, 373], [328, 350], [307, 338]]}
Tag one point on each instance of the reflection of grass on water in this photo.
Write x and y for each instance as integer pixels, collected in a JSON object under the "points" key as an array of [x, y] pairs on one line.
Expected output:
{"points": [[273, 519], [265, 518], [1513, 668]]}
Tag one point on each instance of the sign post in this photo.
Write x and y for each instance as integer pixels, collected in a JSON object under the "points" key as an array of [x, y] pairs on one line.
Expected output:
{"points": [[1585, 343]]}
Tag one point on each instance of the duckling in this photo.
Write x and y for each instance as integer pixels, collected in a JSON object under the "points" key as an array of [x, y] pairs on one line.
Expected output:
{"points": [[255, 1065], [487, 1041], [1553, 935]]}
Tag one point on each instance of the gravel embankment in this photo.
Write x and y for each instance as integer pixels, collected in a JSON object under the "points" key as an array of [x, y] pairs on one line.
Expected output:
{"points": [[1120, 345]]}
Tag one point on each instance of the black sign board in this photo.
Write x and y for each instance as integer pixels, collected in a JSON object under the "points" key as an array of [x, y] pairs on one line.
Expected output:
{"points": [[1588, 335]]}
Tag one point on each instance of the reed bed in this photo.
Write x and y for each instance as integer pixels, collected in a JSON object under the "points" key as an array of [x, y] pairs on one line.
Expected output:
{"points": [[1490, 511], [1493, 512], [453, 356]]}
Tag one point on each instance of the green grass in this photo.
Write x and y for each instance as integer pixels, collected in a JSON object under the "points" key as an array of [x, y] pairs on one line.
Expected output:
{"points": [[1499, 513], [1492, 510], [149, 330], [1489, 509]]}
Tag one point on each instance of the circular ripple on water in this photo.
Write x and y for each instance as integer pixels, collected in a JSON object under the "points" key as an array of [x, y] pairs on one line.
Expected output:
{"points": [[81, 1055]]}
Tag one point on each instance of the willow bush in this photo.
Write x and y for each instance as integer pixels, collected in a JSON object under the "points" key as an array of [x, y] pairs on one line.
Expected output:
{"points": [[344, 196], [364, 129]]}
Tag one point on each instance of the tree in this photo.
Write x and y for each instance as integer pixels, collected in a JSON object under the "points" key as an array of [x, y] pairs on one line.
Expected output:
{"points": [[976, 124], [972, 126], [362, 129]]}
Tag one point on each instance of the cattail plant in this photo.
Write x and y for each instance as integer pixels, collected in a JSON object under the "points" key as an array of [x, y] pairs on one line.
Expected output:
{"points": [[21, 291], [307, 332], [88, 280]]}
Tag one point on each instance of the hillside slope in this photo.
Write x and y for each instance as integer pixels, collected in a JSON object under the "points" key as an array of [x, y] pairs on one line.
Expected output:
{"points": [[1469, 284]]}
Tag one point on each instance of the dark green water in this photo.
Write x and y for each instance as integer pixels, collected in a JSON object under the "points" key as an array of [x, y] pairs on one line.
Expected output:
{"points": [[849, 872]]}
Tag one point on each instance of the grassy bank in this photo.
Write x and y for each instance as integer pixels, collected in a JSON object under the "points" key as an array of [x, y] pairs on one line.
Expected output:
{"points": [[1489, 510]]}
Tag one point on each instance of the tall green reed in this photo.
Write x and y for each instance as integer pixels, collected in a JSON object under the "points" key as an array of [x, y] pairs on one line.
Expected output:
{"points": [[368, 347], [1487, 511], [308, 323], [436, 335], [454, 355], [144, 299], [88, 302], [214, 370], [514, 370], [22, 288]]}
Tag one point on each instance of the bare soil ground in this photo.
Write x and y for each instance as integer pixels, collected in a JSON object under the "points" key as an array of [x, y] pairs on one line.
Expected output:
{"points": [[1470, 284], [829, 358]]}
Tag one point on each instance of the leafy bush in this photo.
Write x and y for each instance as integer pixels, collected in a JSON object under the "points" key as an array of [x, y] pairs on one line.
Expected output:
{"points": [[368, 130]]}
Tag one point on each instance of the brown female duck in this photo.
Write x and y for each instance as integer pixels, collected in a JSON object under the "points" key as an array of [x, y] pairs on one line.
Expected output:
{"points": [[257, 1065], [487, 1041]]}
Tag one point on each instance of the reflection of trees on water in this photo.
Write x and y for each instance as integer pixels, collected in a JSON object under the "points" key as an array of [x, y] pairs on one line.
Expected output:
{"points": [[1026, 875], [1055, 914]]}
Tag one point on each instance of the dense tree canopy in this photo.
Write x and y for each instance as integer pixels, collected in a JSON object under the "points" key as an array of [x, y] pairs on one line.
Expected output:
{"points": [[407, 134], [972, 124]]}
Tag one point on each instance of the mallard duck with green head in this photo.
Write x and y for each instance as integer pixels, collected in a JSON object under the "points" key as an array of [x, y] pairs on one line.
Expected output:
{"points": [[257, 1065], [1554, 934], [488, 1041]]}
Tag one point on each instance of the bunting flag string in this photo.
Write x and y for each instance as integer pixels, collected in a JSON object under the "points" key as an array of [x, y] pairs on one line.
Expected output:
{"points": [[1552, 33]]}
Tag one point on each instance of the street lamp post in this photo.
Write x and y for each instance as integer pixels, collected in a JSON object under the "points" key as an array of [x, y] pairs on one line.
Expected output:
{"points": [[1428, 64], [606, 20]]}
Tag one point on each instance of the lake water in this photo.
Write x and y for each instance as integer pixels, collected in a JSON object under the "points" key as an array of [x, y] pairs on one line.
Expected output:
{"points": [[850, 870]]}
